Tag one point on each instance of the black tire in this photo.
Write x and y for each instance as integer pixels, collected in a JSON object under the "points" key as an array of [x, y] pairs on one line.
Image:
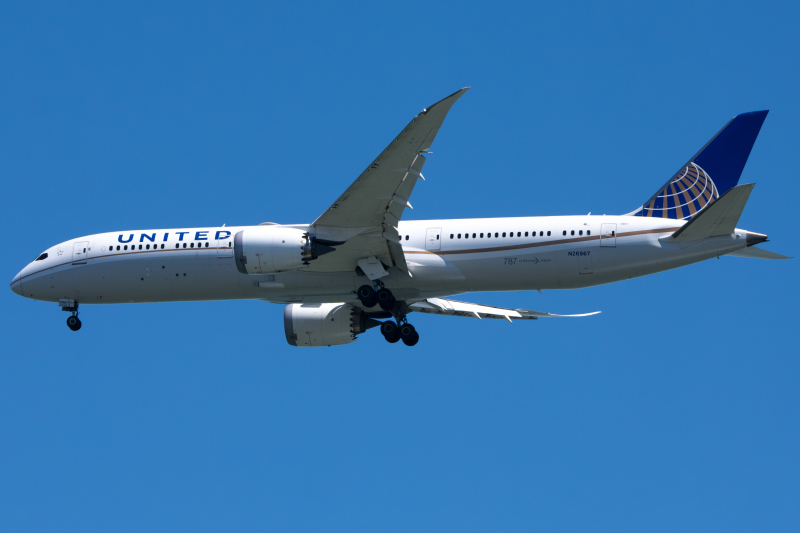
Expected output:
{"points": [[414, 339], [367, 296], [386, 299], [389, 329], [407, 331], [74, 323]]}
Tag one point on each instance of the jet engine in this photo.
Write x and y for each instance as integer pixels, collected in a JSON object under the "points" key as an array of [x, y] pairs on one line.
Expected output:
{"points": [[268, 249], [324, 324]]}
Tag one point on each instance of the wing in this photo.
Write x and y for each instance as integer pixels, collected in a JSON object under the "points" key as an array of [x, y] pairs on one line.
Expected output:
{"points": [[437, 306], [366, 215]]}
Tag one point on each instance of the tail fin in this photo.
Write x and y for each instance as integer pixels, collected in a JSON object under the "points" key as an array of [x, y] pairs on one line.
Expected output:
{"points": [[712, 172]]}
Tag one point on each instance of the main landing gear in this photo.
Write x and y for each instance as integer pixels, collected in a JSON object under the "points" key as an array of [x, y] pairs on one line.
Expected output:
{"points": [[73, 322], [392, 331]]}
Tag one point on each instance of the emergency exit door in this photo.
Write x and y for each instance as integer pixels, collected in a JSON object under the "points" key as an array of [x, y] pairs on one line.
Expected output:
{"points": [[608, 235], [433, 239], [80, 253]]}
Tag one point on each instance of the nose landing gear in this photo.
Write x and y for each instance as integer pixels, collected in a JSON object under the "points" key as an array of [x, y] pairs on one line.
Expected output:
{"points": [[71, 306], [74, 323]]}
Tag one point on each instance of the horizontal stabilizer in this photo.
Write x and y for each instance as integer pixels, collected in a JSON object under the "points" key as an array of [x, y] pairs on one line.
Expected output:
{"points": [[719, 218], [438, 306], [757, 253]]}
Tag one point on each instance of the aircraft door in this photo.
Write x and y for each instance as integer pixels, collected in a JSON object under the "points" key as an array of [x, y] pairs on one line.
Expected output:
{"points": [[225, 247], [433, 239], [80, 253], [608, 235]]}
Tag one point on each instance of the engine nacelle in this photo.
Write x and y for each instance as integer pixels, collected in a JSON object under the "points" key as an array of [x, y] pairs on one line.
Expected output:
{"points": [[324, 324], [268, 249]]}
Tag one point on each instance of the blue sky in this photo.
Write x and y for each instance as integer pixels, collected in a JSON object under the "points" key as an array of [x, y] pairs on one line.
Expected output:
{"points": [[675, 409]]}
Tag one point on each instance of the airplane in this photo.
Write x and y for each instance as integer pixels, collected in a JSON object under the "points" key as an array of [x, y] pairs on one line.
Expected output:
{"points": [[359, 266]]}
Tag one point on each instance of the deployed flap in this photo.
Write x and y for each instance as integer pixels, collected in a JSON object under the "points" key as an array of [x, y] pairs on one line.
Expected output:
{"points": [[438, 306], [757, 253], [719, 218]]}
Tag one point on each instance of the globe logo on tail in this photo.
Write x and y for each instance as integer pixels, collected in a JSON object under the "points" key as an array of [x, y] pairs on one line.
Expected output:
{"points": [[689, 191]]}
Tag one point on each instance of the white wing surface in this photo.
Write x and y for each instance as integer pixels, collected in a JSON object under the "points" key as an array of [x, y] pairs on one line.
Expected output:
{"points": [[438, 306], [366, 215]]}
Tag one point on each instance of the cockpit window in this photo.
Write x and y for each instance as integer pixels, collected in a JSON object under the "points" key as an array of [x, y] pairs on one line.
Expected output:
{"points": [[43, 256]]}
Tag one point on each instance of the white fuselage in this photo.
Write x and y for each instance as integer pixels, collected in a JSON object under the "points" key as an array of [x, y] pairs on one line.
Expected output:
{"points": [[544, 253]]}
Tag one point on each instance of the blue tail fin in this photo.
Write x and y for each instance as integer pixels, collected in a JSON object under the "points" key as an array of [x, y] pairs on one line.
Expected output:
{"points": [[713, 171]]}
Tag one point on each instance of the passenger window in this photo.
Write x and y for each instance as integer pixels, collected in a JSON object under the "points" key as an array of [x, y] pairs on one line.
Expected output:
{"points": [[437, 237], [580, 232], [504, 234], [126, 246], [511, 234], [473, 235], [588, 232], [548, 233], [526, 233], [206, 245], [497, 234], [184, 245], [451, 235], [466, 235], [177, 245], [541, 233], [565, 232], [118, 248], [459, 235], [162, 246], [572, 232], [519, 234], [191, 245], [148, 246]]}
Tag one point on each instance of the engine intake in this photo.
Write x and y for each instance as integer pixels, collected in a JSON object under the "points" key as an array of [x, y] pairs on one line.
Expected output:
{"points": [[324, 324]]}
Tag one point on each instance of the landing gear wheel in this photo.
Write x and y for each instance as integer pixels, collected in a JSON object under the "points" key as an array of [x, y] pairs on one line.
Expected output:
{"points": [[390, 331], [409, 335], [388, 328], [386, 299], [74, 323], [367, 296]]}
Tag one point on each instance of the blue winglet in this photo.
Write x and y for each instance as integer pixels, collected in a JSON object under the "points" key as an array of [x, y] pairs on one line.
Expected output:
{"points": [[713, 171]]}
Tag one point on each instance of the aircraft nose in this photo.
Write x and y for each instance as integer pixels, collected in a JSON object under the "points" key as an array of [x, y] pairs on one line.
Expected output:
{"points": [[16, 285]]}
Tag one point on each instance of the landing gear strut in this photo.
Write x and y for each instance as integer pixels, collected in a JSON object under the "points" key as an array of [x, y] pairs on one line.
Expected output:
{"points": [[71, 306]]}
